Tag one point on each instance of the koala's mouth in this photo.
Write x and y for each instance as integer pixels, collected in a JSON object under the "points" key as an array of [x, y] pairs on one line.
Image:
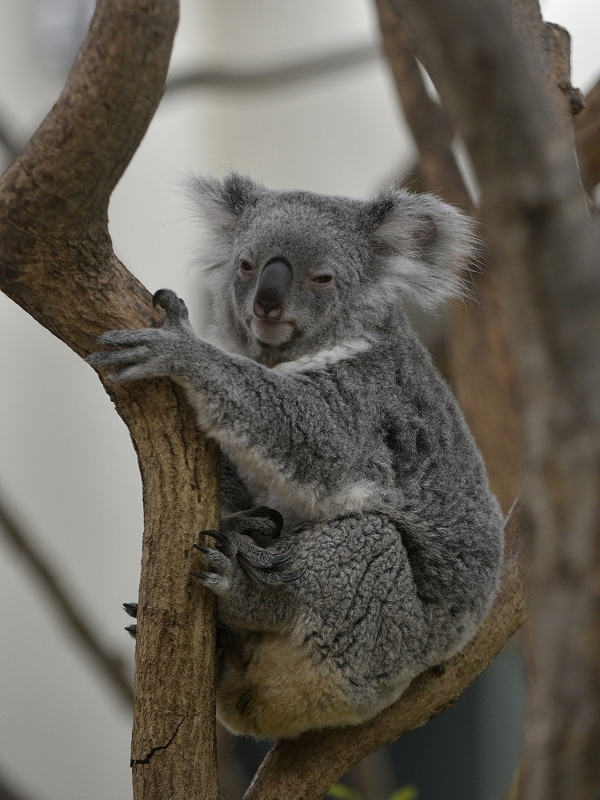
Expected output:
{"points": [[273, 332]]}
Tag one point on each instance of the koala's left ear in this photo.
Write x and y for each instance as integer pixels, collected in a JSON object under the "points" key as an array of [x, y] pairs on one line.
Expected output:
{"points": [[423, 245]]}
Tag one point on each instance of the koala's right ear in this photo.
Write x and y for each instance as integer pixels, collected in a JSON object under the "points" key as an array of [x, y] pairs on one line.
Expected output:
{"points": [[425, 245], [220, 203]]}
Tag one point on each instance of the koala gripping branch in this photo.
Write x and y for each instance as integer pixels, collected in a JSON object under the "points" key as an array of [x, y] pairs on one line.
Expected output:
{"points": [[56, 262], [304, 768]]}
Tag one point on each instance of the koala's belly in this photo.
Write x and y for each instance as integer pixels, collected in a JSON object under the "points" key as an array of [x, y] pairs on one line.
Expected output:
{"points": [[278, 689]]}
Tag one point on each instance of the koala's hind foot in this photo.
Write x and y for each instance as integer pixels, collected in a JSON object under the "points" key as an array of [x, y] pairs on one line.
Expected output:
{"points": [[237, 557], [131, 609]]}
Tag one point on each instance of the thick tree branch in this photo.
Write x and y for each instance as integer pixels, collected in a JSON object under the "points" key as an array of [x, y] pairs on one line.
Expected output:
{"points": [[587, 139], [111, 665], [549, 253], [305, 767], [57, 262]]}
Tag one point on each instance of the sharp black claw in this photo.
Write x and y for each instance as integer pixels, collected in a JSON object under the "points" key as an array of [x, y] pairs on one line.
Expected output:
{"points": [[202, 549], [202, 575], [281, 559], [220, 537], [131, 609], [131, 630], [288, 577], [158, 298]]}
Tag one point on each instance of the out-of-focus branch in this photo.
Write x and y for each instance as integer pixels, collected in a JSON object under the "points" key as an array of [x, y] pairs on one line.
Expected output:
{"points": [[305, 767], [277, 76], [6, 140], [8, 793], [548, 251], [426, 119], [587, 139], [111, 665]]}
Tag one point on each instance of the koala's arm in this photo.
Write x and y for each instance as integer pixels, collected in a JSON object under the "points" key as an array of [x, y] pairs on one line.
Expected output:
{"points": [[234, 493], [283, 425]]}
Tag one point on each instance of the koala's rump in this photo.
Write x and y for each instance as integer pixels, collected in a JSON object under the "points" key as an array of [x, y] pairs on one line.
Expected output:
{"points": [[271, 686]]}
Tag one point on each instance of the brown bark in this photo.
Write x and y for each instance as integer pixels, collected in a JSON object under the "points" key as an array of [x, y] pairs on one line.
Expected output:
{"points": [[587, 139], [56, 261], [548, 251], [304, 768]]}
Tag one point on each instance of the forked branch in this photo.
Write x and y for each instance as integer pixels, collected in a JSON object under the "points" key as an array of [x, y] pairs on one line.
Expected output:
{"points": [[56, 261]]}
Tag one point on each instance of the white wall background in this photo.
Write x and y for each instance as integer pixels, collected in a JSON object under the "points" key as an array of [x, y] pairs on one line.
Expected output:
{"points": [[66, 463]]}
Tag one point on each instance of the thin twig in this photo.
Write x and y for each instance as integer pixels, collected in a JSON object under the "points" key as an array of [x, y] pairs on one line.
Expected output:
{"points": [[111, 665], [278, 76], [8, 143], [8, 793]]}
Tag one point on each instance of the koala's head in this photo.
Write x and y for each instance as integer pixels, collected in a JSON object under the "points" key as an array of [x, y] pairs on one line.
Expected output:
{"points": [[295, 272]]}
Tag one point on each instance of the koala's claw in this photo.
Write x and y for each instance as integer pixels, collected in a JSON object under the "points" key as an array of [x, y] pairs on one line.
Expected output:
{"points": [[215, 535], [262, 564], [288, 577], [215, 558], [175, 309], [213, 581], [131, 609], [132, 630]]}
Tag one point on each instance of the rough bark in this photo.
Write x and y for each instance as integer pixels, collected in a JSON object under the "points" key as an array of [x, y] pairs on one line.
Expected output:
{"points": [[587, 139], [56, 261], [548, 251], [305, 767]]}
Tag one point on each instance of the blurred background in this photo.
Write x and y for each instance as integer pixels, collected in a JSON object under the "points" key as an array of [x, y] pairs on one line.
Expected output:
{"points": [[68, 472]]}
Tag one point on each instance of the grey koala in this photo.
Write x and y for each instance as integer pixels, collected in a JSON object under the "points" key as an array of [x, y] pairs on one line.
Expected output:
{"points": [[330, 416]]}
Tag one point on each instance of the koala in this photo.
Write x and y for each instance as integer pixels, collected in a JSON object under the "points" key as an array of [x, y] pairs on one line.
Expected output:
{"points": [[360, 543]]}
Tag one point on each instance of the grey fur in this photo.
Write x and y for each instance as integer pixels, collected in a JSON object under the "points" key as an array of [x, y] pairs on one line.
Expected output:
{"points": [[333, 414]]}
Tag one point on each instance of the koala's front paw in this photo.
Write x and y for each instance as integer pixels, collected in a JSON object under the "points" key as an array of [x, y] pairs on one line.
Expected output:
{"points": [[148, 352], [237, 555]]}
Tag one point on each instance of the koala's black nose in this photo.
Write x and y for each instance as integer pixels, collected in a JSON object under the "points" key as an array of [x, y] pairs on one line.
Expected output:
{"points": [[271, 292]]}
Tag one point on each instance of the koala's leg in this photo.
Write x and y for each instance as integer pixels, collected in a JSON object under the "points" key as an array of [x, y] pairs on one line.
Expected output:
{"points": [[346, 638], [332, 647], [250, 578]]}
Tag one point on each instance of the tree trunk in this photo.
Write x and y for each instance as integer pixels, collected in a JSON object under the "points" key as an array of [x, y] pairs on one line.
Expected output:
{"points": [[549, 254], [57, 262]]}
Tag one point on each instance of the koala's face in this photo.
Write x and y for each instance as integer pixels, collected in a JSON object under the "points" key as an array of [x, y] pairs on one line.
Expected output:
{"points": [[293, 271]]}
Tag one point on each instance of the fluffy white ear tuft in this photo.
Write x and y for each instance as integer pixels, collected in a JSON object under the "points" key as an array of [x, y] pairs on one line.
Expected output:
{"points": [[425, 246], [219, 204]]}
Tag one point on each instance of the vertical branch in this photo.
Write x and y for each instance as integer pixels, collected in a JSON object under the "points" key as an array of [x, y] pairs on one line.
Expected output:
{"points": [[549, 253], [56, 261]]}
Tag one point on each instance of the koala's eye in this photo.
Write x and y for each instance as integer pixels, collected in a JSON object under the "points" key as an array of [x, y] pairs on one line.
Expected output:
{"points": [[246, 267], [322, 279]]}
